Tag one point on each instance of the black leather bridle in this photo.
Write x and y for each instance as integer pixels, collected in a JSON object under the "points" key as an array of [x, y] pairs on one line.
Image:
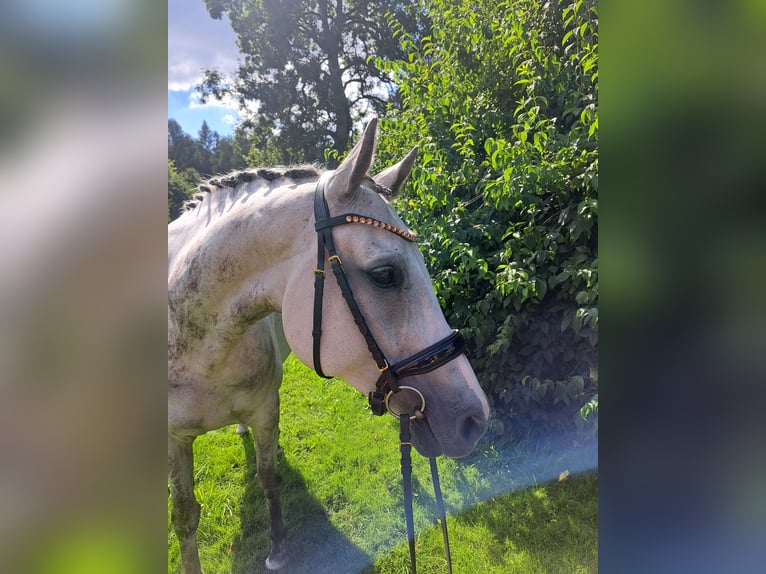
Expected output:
{"points": [[425, 361], [422, 362]]}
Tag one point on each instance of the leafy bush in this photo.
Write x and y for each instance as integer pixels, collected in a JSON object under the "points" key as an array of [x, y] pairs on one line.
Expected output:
{"points": [[181, 187], [502, 100]]}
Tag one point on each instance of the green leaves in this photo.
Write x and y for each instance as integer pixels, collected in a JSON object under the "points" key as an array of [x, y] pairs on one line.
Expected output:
{"points": [[502, 100], [180, 189]]}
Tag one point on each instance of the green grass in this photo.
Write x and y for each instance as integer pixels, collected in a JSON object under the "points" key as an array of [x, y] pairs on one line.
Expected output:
{"points": [[342, 498]]}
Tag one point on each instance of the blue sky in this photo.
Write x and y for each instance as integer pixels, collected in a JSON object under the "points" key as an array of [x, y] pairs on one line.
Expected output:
{"points": [[195, 42], [183, 109]]}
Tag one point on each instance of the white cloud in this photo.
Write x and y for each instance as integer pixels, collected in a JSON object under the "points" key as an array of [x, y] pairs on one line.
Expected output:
{"points": [[227, 102], [183, 76], [196, 42]]}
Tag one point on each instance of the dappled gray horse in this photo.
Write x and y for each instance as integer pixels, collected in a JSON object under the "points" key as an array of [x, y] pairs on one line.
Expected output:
{"points": [[242, 264]]}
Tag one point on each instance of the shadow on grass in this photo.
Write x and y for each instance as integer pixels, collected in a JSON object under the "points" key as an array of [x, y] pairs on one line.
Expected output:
{"points": [[314, 545]]}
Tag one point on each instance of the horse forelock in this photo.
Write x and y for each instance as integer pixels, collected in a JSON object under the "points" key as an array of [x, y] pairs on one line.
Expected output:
{"points": [[235, 179], [381, 190]]}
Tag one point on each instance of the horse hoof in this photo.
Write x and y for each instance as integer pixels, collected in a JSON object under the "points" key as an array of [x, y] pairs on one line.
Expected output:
{"points": [[275, 562], [241, 429]]}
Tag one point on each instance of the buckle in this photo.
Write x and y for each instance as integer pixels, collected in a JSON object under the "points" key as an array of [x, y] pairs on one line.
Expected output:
{"points": [[377, 403]]}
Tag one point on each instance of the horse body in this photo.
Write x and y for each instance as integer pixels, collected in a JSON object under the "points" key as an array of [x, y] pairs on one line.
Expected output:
{"points": [[225, 271], [240, 288], [226, 343]]}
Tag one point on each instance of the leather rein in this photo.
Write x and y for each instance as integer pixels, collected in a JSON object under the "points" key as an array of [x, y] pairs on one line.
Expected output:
{"points": [[425, 361]]}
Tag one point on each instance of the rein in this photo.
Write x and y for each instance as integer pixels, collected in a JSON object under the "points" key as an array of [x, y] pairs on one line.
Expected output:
{"points": [[425, 361], [405, 446]]}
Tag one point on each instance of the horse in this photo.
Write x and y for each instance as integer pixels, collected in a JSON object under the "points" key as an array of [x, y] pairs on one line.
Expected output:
{"points": [[241, 262]]}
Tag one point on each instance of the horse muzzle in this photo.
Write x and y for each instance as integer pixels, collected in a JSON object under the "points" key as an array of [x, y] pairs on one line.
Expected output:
{"points": [[439, 426]]}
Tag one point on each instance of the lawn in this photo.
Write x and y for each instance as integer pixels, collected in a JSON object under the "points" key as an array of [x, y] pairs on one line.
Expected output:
{"points": [[530, 509]]}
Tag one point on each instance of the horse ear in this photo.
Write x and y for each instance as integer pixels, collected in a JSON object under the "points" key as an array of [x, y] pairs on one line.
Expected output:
{"points": [[353, 170], [394, 176]]}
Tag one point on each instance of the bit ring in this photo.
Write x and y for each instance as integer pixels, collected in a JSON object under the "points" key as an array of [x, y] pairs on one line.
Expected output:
{"points": [[417, 410]]}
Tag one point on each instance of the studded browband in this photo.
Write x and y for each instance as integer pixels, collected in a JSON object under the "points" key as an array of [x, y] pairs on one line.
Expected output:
{"points": [[356, 218]]}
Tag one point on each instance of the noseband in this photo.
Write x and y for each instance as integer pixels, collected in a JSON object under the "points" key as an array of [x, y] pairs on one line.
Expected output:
{"points": [[422, 362]]}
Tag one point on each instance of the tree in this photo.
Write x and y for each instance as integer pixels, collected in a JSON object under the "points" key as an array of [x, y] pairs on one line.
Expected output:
{"points": [[182, 149], [179, 190], [207, 141], [226, 157], [208, 155], [207, 138], [190, 160], [502, 100], [307, 68]]}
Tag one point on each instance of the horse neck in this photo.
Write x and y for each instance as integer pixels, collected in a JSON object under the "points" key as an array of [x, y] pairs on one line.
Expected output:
{"points": [[234, 265]]}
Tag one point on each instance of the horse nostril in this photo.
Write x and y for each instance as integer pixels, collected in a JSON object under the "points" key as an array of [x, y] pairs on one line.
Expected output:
{"points": [[473, 428]]}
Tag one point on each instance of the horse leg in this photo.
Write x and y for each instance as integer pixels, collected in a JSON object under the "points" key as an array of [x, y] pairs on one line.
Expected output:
{"points": [[266, 435], [185, 510]]}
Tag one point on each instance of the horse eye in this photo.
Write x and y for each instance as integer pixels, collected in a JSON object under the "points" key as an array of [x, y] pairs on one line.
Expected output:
{"points": [[383, 276]]}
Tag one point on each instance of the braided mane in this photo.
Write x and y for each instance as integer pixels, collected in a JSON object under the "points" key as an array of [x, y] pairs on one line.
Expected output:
{"points": [[235, 179]]}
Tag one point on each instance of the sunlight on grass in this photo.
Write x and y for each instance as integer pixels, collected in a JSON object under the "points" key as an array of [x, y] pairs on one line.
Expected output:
{"points": [[342, 497]]}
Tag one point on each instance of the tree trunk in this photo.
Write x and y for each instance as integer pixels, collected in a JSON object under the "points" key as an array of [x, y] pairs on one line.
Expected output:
{"points": [[332, 38]]}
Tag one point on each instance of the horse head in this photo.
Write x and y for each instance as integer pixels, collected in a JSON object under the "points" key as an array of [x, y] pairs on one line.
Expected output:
{"points": [[393, 293]]}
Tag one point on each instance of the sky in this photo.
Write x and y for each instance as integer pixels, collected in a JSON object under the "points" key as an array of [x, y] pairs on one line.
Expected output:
{"points": [[195, 42]]}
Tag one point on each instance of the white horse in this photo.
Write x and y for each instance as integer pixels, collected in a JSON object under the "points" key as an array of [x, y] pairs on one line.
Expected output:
{"points": [[241, 270]]}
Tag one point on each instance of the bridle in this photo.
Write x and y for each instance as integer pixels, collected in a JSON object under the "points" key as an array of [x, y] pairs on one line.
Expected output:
{"points": [[425, 361]]}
